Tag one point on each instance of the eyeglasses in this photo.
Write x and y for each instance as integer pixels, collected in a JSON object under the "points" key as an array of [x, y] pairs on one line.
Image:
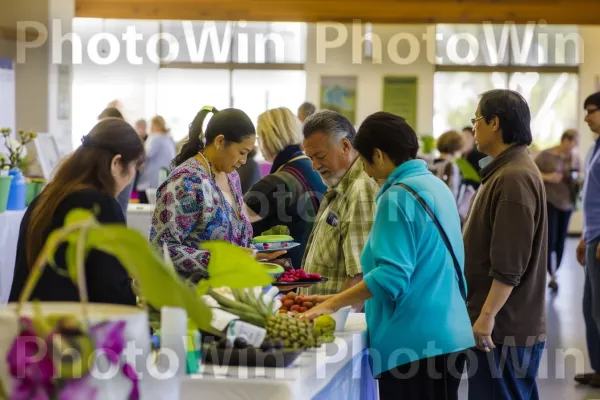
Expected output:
{"points": [[590, 112], [473, 120]]}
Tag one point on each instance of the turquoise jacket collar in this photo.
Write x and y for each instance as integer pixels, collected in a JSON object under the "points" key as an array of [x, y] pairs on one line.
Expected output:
{"points": [[405, 170]]}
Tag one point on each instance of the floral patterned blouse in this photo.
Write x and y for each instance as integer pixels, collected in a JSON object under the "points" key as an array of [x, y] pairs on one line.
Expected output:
{"points": [[190, 208]]}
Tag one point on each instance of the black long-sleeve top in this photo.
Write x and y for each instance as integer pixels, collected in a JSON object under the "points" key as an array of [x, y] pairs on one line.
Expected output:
{"points": [[107, 280]]}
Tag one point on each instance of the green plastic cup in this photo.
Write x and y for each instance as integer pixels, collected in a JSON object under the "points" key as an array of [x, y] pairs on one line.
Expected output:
{"points": [[30, 192], [4, 189]]}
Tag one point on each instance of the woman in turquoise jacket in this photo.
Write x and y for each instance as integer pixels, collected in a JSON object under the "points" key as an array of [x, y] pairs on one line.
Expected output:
{"points": [[417, 321]]}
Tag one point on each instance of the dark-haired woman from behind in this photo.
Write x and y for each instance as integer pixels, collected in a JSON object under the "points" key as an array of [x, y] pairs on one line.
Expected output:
{"points": [[414, 292], [202, 198], [90, 178]]}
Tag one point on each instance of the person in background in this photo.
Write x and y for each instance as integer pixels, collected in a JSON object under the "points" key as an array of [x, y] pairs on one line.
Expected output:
{"points": [[404, 284], [202, 197], [506, 253], [345, 215], [557, 165], [160, 150], [249, 172], [305, 110], [142, 129], [449, 145], [123, 196], [588, 249], [88, 179], [110, 112], [291, 194]]}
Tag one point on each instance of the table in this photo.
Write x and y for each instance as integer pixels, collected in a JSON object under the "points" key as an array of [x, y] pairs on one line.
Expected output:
{"points": [[336, 371], [10, 222], [139, 217]]}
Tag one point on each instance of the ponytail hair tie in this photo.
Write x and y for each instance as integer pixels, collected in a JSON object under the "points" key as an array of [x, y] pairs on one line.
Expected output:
{"points": [[198, 133]]}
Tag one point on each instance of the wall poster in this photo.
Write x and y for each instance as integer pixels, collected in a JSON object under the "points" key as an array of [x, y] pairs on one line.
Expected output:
{"points": [[338, 93], [400, 97]]}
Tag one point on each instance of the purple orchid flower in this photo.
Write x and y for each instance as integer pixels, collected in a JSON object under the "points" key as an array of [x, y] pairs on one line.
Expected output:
{"points": [[24, 390], [130, 373], [29, 359], [78, 389], [110, 337]]}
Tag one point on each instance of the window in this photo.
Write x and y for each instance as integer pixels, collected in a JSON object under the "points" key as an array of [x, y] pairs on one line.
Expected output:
{"points": [[456, 95], [253, 66], [552, 100], [508, 44], [257, 91], [238, 42], [93, 90], [540, 62], [181, 93]]}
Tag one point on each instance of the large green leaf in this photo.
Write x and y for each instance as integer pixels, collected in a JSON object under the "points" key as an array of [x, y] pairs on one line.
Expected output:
{"points": [[232, 266], [159, 286], [159, 283], [78, 215]]}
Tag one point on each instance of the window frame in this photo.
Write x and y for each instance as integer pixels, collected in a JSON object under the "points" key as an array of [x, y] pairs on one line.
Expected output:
{"points": [[508, 69]]}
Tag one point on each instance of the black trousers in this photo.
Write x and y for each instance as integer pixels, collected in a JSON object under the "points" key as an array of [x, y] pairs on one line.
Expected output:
{"points": [[143, 197], [558, 226], [435, 378]]}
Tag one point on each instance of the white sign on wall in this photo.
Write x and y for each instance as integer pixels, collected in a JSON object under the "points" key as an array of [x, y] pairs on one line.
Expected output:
{"points": [[48, 153], [7, 93]]}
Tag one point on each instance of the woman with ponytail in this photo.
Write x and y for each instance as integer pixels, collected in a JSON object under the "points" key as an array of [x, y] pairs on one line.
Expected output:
{"points": [[202, 198], [89, 178]]}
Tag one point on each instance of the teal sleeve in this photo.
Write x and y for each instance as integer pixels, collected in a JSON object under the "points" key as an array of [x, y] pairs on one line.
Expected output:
{"points": [[392, 243]]}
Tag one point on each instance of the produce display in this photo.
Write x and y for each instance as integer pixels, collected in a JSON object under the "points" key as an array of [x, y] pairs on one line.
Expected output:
{"points": [[294, 303], [294, 333], [283, 330], [251, 309], [298, 275], [324, 329]]}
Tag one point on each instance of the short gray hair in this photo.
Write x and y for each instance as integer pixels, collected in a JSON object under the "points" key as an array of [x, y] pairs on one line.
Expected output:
{"points": [[330, 123], [307, 109]]}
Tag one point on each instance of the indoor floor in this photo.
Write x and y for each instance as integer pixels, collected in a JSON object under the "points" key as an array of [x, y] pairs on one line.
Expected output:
{"points": [[565, 353]]}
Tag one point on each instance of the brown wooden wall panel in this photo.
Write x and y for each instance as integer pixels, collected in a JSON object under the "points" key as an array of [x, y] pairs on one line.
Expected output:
{"points": [[584, 12]]}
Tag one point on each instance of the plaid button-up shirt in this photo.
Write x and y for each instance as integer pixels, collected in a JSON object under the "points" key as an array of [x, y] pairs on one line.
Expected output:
{"points": [[341, 231]]}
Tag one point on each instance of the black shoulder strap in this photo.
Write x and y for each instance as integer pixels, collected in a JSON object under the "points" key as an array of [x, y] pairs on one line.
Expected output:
{"points": [[461, 282]]}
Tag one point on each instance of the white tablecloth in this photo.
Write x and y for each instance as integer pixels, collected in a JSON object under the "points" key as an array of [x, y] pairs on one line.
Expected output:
{"points": [[310, 376], [139, 217], [10, 222]]}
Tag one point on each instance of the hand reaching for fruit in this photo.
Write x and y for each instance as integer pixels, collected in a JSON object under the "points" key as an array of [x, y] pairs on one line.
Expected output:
{"points": [[317, 299], [317, 311]]}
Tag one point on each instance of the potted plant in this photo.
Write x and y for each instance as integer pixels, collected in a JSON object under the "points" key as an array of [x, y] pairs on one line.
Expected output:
{"points": [[5, 181], [17, 163], [86, 332], [17, 152]]}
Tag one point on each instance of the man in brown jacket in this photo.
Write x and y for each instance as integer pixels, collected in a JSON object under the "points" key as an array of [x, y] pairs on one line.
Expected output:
{"points": [[505, 240]]}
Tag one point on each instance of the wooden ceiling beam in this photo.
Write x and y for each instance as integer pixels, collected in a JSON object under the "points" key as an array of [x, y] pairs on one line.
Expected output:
{"points": [[581, 12]]}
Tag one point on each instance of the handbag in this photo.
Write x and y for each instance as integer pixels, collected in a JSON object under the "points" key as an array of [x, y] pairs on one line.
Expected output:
{"points": [[461, 282]]}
